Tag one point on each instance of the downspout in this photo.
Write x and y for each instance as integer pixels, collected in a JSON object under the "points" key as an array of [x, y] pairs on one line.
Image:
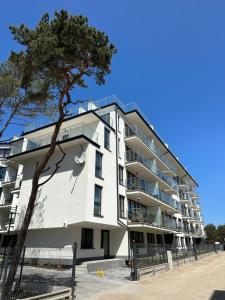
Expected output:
{"points": [[117, 185], [117, 174]]}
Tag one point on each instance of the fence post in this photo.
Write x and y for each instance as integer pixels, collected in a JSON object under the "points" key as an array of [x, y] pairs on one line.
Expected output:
{"points": [[74, 269], [135, 277], [169, 260], [3, 262], [22, 264], [215, 248], [195, 252]]}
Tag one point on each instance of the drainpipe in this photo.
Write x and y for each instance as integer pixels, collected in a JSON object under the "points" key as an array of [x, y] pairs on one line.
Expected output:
{"points": [[117, 173]]}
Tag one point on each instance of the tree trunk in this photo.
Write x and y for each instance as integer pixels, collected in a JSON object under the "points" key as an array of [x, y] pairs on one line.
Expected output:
{"points": [[7, 289], [6, 124]]}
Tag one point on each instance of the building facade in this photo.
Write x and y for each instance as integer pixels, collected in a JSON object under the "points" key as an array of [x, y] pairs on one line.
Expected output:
{"points": [[118, 183]]}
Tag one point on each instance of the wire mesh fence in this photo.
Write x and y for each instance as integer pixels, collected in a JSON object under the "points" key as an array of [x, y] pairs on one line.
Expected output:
{"points": [[149, 255], [40, 271]]}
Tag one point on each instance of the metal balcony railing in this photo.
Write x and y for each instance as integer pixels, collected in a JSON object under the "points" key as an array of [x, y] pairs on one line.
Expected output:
{"points": [[64, 134], [138, 184], [146, 217], [135, 131], [132, 156]]}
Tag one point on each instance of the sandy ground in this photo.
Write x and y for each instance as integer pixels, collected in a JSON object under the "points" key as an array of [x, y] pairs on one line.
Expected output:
{"points": [[204, 279]]}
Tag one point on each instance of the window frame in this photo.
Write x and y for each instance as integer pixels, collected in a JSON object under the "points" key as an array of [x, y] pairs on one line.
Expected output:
{"points": [[121, 211], [96, 169], [107, 145], [84, 243], [100, 202], [121, 168]]}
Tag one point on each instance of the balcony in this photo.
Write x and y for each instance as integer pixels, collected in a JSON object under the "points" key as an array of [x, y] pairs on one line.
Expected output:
{"points": [[9, 179], [184, 198], [139, 188], [136, 161], [139, 139], [64, 134], [193, 204], [187, 215], [144, 217]]}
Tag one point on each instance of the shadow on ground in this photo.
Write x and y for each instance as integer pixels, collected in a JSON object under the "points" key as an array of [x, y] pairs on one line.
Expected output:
{"points": [[218, 295]]}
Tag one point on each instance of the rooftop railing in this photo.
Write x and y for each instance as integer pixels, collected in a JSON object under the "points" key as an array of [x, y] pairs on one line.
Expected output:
{"points": [[138, 184], [150, 144], [64, 134], [132, 156]]}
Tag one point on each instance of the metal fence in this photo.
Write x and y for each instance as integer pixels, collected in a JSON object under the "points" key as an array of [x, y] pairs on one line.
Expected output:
{"points": [[40, 271], [149, 255]]}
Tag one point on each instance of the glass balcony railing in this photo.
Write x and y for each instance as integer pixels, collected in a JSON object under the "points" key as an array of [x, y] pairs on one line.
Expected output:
{"points": [[132, 156], [138, 184], [146, 217], [185, 196], [151, 145], [187, 213], [64, 134], [10, 178]]}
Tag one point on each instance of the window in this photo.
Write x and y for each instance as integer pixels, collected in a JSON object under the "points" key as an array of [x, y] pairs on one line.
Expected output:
{"points": [[4, 152], [150, 238], [106, 118], [2, 173], [121, 175], [98, 200], [121, 203], [98, 164], [119, 123], [87, 238], [107, 139], [136, 237], [119, 150]]}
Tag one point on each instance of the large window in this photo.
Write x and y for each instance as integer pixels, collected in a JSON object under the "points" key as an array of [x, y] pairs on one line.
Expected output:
{"points": [[98, 164], [2, 173], [4, 152], [121, 203], [107, 139], [121, 175], [150, 238], [98, 200], [87, 238], [136, 237]]}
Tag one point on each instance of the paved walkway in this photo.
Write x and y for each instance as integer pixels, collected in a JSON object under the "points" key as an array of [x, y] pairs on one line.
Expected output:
{"points": [[202, 280]]}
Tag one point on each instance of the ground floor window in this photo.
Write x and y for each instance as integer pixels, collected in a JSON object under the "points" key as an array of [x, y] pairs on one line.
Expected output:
{"points": [[87, 238], [159, 239], [136, 237], [150, 238]]}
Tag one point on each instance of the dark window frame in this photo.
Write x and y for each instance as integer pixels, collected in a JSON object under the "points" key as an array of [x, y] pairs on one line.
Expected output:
{"points": [[107, 138], [98, 168], [121, 172], [121, 211], [98, 214], [85, 242], [137, 237]]}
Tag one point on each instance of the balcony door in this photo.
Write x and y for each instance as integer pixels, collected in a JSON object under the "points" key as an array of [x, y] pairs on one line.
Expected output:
{"points": [[105, 242]]}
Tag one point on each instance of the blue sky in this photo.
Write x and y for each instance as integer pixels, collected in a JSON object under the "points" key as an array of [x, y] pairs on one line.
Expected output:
{"points": [[171, 62]]}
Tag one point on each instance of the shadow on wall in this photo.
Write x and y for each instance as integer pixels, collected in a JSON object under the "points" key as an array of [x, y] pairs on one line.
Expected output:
{"points": [[68, 164], [37, 220], [218, 295]]}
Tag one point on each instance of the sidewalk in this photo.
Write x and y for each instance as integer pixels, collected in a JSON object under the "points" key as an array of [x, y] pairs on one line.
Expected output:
{"points": [[201, 280]]}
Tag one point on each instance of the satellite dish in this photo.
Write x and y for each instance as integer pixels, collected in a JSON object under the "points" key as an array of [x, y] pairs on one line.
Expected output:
{"points": [[80, 160]]}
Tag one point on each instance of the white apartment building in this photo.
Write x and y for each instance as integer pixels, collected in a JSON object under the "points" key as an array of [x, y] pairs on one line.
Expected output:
{"points": [[118, 183]]}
